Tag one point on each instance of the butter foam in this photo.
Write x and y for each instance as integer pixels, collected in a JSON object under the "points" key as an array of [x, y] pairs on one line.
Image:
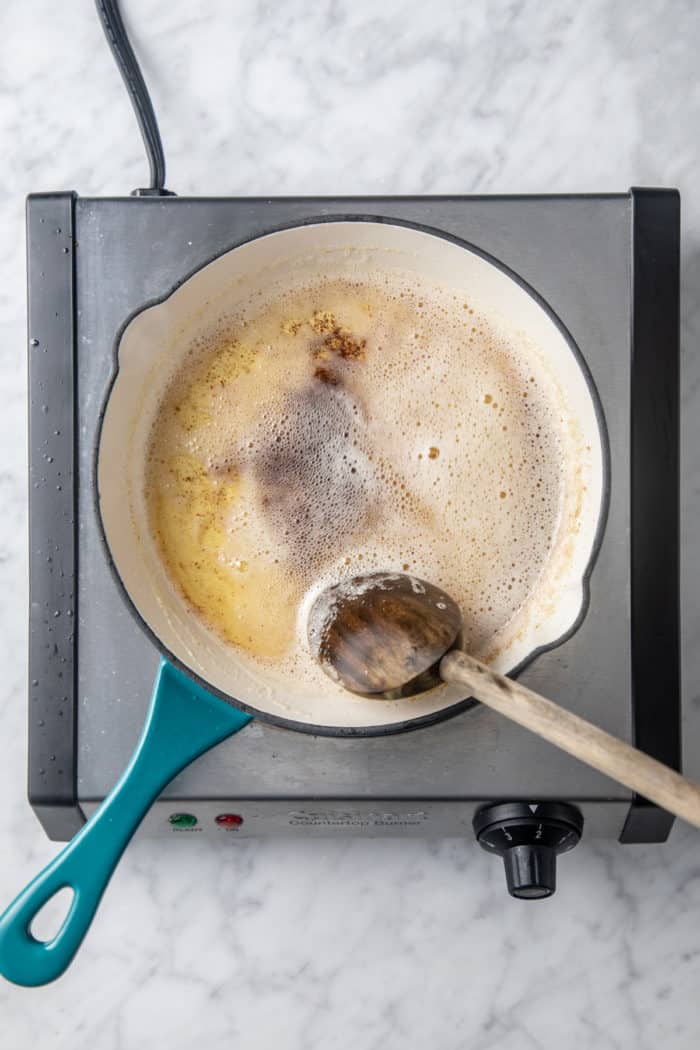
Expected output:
{"points": [[346, 427]]}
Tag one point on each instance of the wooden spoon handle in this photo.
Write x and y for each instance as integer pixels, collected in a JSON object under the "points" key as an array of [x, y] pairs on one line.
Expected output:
{"points": [[580, 738]]}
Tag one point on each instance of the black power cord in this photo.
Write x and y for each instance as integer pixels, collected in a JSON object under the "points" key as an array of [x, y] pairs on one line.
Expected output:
{"points": [[124, 56]]}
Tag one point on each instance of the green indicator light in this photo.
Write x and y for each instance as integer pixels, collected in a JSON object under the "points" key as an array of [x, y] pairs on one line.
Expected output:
{"points": [[182, 820]]}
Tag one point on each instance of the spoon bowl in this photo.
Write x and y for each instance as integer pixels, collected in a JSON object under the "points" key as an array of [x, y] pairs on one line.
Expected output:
{"points": [[383, 634]]}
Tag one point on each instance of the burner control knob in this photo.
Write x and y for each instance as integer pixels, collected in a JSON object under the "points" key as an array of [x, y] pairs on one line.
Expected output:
{"points": [[529, 836]]}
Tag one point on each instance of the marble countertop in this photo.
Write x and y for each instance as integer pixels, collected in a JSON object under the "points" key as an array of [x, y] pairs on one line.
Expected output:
{"points": [[359, 944]]}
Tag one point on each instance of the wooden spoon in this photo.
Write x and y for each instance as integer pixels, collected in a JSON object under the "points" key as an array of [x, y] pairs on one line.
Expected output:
{"points": [[388, 635]]}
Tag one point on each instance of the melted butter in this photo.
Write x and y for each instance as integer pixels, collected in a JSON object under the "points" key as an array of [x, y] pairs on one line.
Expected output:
{"points": [[345, 428], [224, 576]]}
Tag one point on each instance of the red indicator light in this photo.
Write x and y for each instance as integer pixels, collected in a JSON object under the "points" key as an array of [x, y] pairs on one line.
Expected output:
{"points": [[229, 820]]}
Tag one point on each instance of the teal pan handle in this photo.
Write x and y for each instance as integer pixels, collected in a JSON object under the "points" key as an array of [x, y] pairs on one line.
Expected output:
{"points": [[183, 721]]}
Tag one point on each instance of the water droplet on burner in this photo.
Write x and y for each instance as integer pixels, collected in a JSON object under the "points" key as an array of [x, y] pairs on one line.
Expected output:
{"points": [[33, 342], [65, 251], [52, 758], [40, 722]]}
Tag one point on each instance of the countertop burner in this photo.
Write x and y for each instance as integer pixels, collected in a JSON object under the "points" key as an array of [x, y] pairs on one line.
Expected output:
{"points": [[608, 266]]}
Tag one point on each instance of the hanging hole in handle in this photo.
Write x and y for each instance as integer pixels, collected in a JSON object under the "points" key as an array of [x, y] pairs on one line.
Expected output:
{"points": [[48, 921]]}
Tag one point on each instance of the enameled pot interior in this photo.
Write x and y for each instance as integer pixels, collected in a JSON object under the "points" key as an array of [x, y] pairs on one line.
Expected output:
{"points": [[148, 352]]}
